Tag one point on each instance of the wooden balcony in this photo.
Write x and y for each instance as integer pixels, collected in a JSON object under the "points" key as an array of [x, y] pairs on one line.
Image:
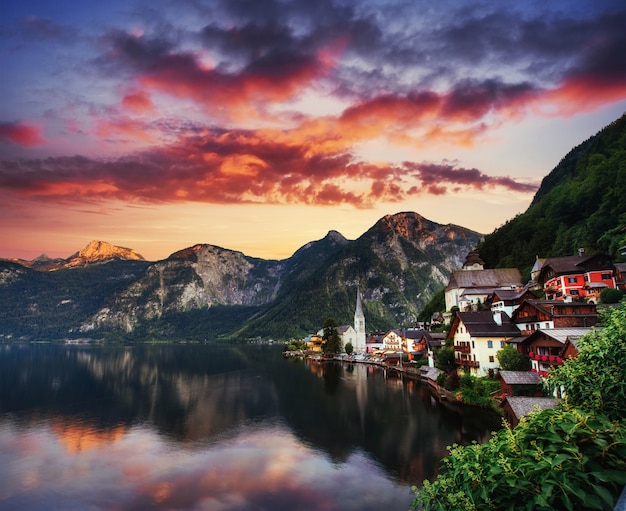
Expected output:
{"points": [[465, 362], [462, 348]]}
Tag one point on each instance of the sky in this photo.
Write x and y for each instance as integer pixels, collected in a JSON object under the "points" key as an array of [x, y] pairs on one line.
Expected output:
{"points": [[260, 125]]}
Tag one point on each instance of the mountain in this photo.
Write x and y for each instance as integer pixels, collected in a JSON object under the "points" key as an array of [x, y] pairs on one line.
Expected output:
{"points": [[204, 291], [398, 264], [95, 252], [202, 278], [44, 305], [581, 203]]}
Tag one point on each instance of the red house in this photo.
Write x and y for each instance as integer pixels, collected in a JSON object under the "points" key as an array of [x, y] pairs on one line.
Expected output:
{"points": [[576, 278]]}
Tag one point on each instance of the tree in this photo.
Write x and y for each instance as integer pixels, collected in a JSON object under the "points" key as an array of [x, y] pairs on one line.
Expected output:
{"points": [[563, 459], [444, 359], [332, 341], [349, 348], [596, 379], [512, 360], [611, 295]]}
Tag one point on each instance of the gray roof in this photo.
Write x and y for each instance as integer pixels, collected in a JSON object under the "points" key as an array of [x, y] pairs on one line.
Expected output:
{"points": [[431, 372], [522, 406], [563, 334], [520, 377], [491, 279]]}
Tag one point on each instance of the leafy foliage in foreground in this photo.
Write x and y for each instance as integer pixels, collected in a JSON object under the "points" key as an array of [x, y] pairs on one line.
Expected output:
{"points": [[596, 379], [563, 459]]}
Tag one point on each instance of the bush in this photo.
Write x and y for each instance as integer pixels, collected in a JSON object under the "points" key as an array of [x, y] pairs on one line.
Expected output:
{"points": [[563, 459], [611, 295], [596, 379]]}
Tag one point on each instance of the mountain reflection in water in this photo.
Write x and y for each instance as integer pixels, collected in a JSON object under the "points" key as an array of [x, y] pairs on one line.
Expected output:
{"points": [[211, 427]]}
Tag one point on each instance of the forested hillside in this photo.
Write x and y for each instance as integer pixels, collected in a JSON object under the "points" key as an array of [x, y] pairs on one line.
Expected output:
{"points": [[580, 204]]}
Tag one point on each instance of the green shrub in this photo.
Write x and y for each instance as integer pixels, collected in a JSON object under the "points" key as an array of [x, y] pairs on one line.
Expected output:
{"points": [[563, 459]]}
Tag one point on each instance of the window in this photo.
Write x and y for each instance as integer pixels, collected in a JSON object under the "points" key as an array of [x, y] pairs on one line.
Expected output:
{"points": [[574, 292], [489, 344], [606, 276], [571, 280], [502, 344], [491, 359]]}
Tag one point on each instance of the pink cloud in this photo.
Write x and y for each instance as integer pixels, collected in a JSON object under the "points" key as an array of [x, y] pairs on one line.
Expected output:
{"points": [[21, 133]]}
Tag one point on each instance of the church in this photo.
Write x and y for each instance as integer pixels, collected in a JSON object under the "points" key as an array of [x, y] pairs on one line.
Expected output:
{"points": [[355, 335]]}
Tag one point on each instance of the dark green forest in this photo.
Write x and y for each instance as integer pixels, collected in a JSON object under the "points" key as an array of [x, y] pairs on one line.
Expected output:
{"points": [[580, 204]]}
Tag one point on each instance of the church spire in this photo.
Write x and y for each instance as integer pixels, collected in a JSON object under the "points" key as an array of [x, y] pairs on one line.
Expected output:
{"points": [[359, 323]]}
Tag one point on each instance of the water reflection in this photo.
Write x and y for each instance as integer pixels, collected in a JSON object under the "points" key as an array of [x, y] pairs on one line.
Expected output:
{"points": [[218, 428]]}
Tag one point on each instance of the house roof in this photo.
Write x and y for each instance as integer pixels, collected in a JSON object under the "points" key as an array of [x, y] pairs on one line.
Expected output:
{"points": [[517, 340], [431, 373], [520, 377], [522, 406], [492, 278], [483, 324], [563, 334], [343, 329], [509, 295], [554, 308], [576, 264]]}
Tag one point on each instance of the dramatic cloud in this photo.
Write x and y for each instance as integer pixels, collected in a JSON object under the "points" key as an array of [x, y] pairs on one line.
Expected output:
{"points": [[326, 103], [241, 166]]}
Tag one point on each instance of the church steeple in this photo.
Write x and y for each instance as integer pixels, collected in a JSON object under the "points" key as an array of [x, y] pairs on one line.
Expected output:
{"points": [[359, 323]]}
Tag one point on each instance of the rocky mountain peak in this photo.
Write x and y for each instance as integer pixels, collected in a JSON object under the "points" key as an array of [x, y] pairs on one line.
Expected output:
{"points": [[100, 252]]}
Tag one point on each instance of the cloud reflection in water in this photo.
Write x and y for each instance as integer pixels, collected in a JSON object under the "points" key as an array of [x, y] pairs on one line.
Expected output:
{"points": [[259, 466]]}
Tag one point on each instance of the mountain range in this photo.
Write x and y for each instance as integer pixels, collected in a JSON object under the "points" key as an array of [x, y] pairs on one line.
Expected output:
{"points": [[206, 291], [399, 265]]}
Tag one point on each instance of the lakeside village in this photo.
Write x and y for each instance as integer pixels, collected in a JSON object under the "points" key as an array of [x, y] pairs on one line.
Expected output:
{"points": [[497, 331]]}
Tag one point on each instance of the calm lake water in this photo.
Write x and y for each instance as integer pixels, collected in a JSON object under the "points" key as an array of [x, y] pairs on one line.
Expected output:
{"points": [[218, 428]]}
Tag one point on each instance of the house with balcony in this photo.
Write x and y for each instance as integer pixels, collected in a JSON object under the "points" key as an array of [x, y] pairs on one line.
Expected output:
{"points": [[477, 337], [551, 347], [508, 300], [393, 341], [620, 276], [576, 278], [533, 315], [472, 285]]}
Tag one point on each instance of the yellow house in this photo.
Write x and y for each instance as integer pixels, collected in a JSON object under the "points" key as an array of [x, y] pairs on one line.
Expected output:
{"points": [[478, 336]]}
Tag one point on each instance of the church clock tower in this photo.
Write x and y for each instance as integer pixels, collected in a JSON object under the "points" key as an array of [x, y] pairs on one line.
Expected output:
{"points": [[359, 324]]}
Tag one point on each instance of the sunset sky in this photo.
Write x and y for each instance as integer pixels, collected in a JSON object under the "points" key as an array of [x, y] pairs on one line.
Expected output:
{"points": [[260, 125]]}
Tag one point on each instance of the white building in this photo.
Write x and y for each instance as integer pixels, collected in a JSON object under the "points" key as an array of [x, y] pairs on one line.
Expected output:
{"points": [[359, 325]]}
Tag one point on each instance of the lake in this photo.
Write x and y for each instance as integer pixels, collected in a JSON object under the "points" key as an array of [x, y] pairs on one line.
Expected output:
{"points": [[217, 428]]}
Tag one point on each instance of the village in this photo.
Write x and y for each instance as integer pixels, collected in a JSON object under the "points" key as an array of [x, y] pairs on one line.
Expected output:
{"points": [[486, 311]]}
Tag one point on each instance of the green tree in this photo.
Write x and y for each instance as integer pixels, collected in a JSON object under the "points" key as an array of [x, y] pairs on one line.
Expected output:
{"points": [[611, 295], [444, 359], [512, 360], [349, 348], [596, 379], [332, 341], [563, 459]]}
